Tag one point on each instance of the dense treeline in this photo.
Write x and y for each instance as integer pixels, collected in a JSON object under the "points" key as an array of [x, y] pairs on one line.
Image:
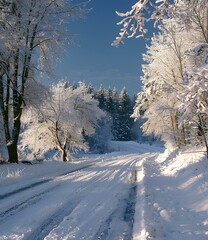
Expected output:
{"points": [[117, 124], [120, 108]]}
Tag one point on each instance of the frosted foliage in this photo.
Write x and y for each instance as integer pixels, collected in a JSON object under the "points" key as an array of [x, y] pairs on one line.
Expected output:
{"points": [[175, 73], [134, 21], [65, 115], [75, 105], [195, 94], [32, 32], [194, 97], [161, 115], [34, 26], [35, 93], [167, 59], [160, 76]]}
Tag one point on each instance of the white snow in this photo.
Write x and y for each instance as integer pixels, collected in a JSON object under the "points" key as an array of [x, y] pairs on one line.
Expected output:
{"points": [[98, 201]]}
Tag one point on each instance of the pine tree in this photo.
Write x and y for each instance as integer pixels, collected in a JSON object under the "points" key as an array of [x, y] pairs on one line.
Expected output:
{"points": [[101, 97], [99, 141], [125, 121]]}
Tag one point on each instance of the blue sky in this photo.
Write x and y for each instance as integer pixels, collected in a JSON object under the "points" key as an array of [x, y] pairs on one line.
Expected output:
{"points": [[93, 59]]}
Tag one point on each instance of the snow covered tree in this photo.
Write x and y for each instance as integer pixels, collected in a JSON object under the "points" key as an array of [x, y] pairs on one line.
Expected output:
{"points": [[196, 75], [175, 76], [194, 98], [65, 117], [31, 32], [168, 59], [99, 141], [163, 80], [194, 106], [125, 121], [119, 108], [176, 57], [112, 107], [109, 100], [101, 97], [134, 21]]}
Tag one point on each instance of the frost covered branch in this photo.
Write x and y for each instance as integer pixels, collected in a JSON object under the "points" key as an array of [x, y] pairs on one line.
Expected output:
{"points": [[134, 21], [195, 94]]}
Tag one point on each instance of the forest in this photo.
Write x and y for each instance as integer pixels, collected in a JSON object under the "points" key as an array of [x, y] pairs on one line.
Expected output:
{"points": [[172, 104]]}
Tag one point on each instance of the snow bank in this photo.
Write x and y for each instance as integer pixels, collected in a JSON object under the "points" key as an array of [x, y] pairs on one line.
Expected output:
{"points": [[173, 198]]}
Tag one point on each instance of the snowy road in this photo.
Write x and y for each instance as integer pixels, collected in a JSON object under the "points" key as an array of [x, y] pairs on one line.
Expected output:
{"points": [[96, 202], [96, 197]]}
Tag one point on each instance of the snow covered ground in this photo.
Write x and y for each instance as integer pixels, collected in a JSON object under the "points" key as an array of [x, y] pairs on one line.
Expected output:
{"points": [[173, 198], [135, 192]]}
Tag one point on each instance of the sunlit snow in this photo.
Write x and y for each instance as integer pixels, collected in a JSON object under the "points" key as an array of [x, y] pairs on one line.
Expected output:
{"points": [[134, 192]]}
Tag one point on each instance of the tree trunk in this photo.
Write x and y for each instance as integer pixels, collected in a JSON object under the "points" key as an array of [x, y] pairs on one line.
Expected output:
{"points": [[174, 129], [12, 152], [64, 155], [203, 132], [183, 135], [62, 147], [12, 145]]}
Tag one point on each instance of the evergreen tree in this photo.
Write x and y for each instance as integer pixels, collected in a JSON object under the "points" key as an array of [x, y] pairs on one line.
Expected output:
{"points": [[125, 121], [115, 115], [99, 141], [119, 108], [109, 101], [101, 97]]}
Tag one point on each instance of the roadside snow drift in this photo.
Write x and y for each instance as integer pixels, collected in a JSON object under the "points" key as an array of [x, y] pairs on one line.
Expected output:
{"points": [[173, 198]]}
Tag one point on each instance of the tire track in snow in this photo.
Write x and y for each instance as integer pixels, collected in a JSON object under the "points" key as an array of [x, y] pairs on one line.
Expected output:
{"points": [[20, 206], [126, 207], [113, 171], [108, 206], [51, 222], [42, 182], [35, 197], [60, 214]]}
